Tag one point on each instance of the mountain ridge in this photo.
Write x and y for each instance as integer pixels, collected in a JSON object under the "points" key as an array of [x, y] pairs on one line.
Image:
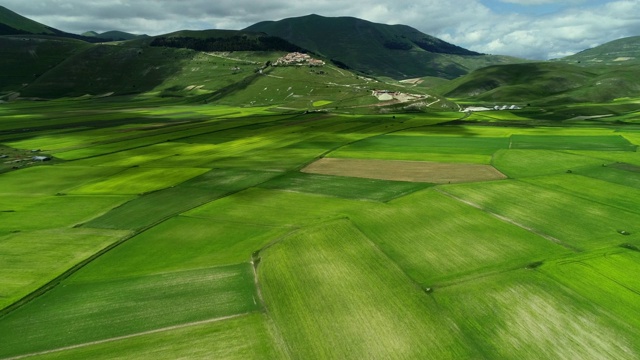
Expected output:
{"points": [[396, 51]]}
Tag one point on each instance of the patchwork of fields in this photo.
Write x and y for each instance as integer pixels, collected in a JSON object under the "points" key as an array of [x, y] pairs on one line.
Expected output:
{"points": [[234, 233]]}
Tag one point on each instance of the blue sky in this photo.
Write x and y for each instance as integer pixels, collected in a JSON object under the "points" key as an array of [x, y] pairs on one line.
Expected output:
{"points": [[533, 29], [528, 8]]}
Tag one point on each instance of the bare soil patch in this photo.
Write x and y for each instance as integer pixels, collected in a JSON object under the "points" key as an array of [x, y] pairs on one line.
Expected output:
{"points": [[414, 171]]}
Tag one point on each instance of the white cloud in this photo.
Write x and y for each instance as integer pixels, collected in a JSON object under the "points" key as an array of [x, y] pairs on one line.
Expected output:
{"points": [[467, 23]]}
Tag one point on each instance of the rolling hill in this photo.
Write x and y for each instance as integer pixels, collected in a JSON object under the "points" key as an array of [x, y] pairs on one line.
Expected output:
{"points": [[545, 83], [113, 35], [622, 52], [396, 51], [12, 23]]}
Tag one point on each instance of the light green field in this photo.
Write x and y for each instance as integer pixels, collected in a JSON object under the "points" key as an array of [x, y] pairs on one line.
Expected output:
{"points": [[523, 315], [519, 163], [273, 208], [50, 180], [435, 238], [98, 310], [425, 148], [181, 243], [244, 337], [138, 181], [624, 197], [573, 221], [607, 278], [172, 201], [327, 285], [30, 259], [149, 155]]}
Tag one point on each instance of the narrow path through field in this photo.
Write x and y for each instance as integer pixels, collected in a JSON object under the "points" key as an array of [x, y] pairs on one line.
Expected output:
{"points": [[512, 222], [117, 338]]}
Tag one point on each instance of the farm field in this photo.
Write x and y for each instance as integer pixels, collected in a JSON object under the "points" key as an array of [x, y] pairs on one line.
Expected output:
{"points": [[214, 231], [410, 171]]}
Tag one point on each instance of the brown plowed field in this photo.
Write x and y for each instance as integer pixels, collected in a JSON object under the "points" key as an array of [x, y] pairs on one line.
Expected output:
{"points": [[414, 171]]}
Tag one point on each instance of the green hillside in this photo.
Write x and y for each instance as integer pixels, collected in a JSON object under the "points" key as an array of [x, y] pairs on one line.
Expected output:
{"points": [[13, 23], [544, 83], [396, 51], [625, 51], [113, 35], [27, 57]]}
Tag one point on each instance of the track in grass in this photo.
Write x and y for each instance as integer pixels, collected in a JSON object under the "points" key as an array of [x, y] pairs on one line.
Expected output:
{"points": [[96, 310]]}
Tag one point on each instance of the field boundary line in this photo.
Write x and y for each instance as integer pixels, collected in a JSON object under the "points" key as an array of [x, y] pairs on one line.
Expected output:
{"points": [[123, 337], [512, 222], [377, 247]]}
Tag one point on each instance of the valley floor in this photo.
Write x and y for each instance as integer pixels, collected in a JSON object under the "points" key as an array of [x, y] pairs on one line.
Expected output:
{"points": [[206, 231]]}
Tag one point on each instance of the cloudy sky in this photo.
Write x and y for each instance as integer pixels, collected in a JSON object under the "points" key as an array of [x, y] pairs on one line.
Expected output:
{"points": [[534, 29]]}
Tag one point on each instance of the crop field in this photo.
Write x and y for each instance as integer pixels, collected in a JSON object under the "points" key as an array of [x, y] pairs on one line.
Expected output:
{"points": [[327, 284], [593, 225], [123, 306], [343, 186], [32, 258], [518, 163], [181, 243], [426, 148], [167, 229], [525, 315], [621, 196], [608, 143], [412, 171], [435, 238], [606, 278], [243, 337]]}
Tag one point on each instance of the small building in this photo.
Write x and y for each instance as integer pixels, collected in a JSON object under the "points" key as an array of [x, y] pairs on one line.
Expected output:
{"points": [[41, 158]]}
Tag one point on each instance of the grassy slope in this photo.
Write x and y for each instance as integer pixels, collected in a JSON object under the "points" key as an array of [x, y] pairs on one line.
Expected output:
{"points": [[618, 52], [22, 23], [556, 82], [26, 58]]}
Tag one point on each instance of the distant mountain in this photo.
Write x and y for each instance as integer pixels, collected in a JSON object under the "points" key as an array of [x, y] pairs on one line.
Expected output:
{"points": [[113, 35], [396, 51], [12, 23], [618, 52]]}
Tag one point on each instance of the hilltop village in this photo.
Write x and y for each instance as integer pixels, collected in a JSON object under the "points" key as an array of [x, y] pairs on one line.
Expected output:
{"points": [[298, 59]]}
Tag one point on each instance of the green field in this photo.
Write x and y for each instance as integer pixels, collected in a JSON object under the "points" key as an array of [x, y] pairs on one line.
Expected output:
{"points": [[244, 337], [593, 225], [327, 285], [525, 315], [97, 310], [426, 148], [168, 229]]}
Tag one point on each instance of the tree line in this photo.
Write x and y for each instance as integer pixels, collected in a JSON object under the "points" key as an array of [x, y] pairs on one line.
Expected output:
{"points": [[231, 43]]}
